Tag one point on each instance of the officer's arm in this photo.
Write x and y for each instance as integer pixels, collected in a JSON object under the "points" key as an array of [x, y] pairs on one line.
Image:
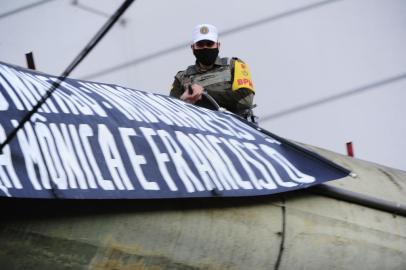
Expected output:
{"points": [[177, 89], [241, 95], [242, 84]]}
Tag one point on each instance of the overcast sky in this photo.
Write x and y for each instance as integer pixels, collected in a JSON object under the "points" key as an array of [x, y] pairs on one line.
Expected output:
{"points": [[325, 72]]}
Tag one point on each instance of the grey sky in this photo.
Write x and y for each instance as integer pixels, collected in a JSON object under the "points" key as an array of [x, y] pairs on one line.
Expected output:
{"points": [[299, 52]]}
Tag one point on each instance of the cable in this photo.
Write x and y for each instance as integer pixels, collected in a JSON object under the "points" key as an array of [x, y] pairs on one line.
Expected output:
{"points": [[136, 61], [276, 17], [332, 98], [95, 11], [93, 42], [24, 8], [228, 32]]}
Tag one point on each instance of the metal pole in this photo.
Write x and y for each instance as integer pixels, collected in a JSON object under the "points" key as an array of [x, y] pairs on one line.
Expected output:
{"points": [[30, 60], [361, 199], [350, 149]]}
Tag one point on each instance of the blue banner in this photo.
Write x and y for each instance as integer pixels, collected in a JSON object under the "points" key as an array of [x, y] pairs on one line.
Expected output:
{"points": [[97, 141]]}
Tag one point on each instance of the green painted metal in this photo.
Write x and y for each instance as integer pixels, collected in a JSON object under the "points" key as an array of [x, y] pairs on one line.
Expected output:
{"points": [[220, 233]]}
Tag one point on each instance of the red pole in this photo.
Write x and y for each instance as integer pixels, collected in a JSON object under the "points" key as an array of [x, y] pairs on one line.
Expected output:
{"points": [[350, 150]]}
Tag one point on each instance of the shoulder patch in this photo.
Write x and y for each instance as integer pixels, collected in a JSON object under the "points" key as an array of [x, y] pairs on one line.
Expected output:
{"points": [[242, 76]]}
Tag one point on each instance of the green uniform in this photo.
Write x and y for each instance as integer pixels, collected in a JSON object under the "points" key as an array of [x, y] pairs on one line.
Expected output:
{"points": [[230, 90]]}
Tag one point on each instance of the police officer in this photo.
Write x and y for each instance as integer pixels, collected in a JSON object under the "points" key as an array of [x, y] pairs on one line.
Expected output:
{"points": [[228, 81]]}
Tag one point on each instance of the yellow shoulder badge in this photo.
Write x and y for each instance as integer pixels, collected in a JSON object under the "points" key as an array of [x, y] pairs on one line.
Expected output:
{"points": [[242, 76]]}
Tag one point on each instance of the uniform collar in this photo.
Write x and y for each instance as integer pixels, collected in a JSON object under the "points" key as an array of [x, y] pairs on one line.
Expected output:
{"points": [[219, 62], [195, 69]]}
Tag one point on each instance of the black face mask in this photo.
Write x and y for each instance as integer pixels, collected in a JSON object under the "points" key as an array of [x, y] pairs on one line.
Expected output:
{"points": [[206, 56]]}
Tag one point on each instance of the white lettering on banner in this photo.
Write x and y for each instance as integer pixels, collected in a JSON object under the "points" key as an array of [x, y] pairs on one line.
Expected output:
{"points": [[10, 92], [78, 103], [222, 127], [175, 117], [18, 86], [176, 107], [52, 159], [220, 168], [215, 142], [39, 88], [201, 163], [10, 76], [28, 93], [217, 123], [28, 89], [85, 131], [134, 98], [61, 161], [275, 176], [113, 159], [161, 158], [185, 174], [247, 168], [86, 104], [145, 111], [179, 114], [73, 103], [82, 157], [59, 156], [25, 92], [245, 130], [121, 104], [71, 156], [272, 140], [228, 125], [252, 176], [4, 189], [151, 108], [68, 156], [291, 170], [267, 181], [67, 104], [3, 102], [7, 171], [205, 167], [134, 105], [32, 156], [136, 160]]}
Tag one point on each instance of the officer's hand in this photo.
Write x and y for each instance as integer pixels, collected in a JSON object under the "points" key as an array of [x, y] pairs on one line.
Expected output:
{"points": [[195, 96]]}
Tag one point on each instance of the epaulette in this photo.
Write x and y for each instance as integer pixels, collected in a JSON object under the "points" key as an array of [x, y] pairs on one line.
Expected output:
{"points": [[233, 59], [179, 75], [191, 70]]}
